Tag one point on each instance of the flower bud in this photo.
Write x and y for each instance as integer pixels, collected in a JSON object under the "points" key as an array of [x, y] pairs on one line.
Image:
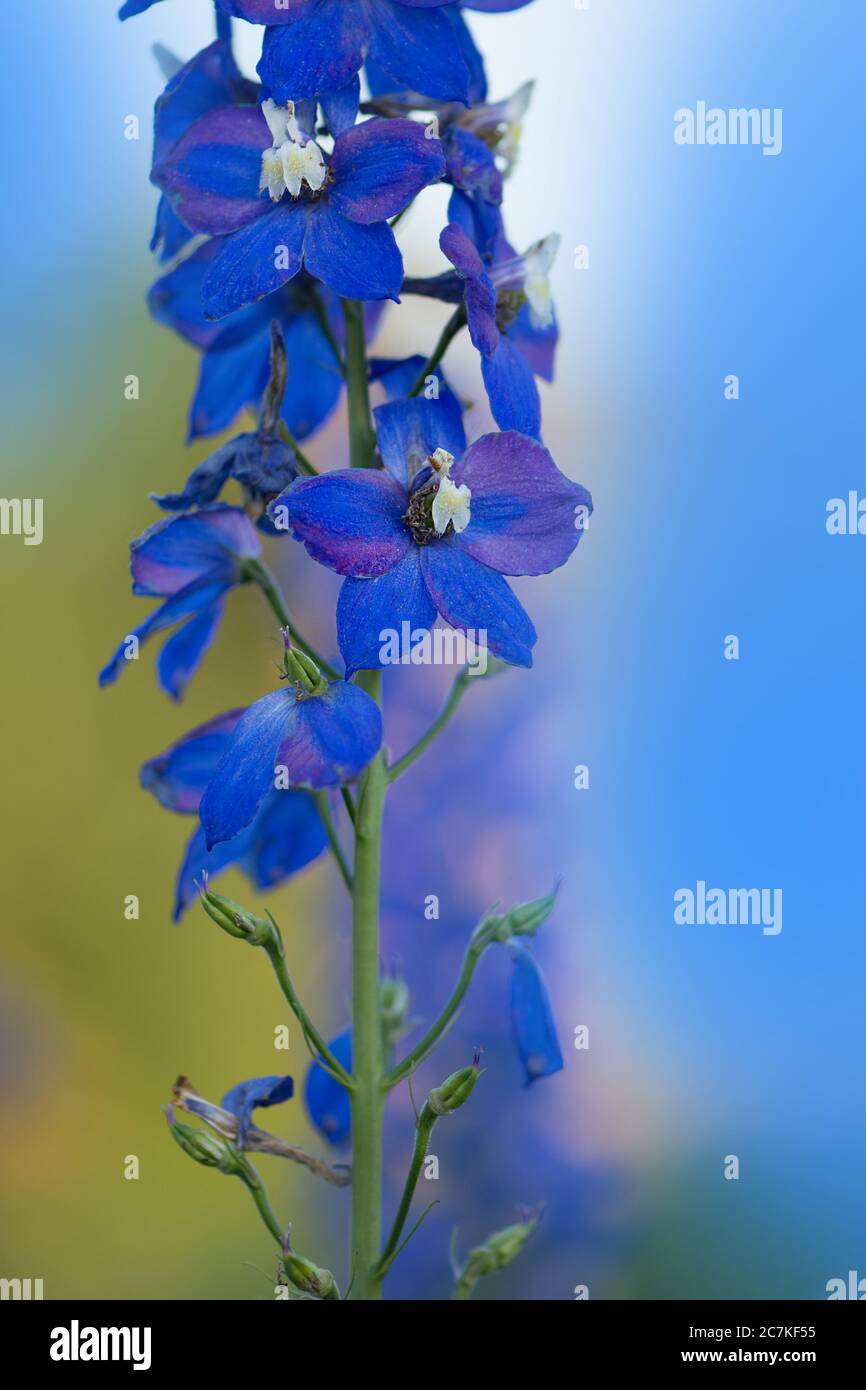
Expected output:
{"points": [[455, 1090], [524, 919], [498, 1251], [208, 1149], [233, 918], [306, 1276]]}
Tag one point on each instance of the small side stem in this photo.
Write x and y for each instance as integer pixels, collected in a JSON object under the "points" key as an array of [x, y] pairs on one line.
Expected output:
{"points": [[304, 463], [263, 1206], [324, 806], [278, 961], [362, 440], [458, 690], [423, 1130], [449, 333], [258, 573]]}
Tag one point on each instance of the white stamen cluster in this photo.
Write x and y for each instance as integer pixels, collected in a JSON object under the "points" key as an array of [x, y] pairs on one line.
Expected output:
{"points": [[452, 503], [292, 160]]}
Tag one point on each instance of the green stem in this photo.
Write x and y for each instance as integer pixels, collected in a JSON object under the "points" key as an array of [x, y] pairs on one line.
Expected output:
{"points": [[455, 695], [258, 573], [449, 333], [305, 465], [278, 961], [362, 440], [367, 1060], [474, 951], [260, 1197], [423, 1130], [336, 848], [325, 325]]}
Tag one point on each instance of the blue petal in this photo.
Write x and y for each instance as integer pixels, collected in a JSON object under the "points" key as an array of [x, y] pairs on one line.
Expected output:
{"points": [[259, 1092], [470, 596], [350, 520], [198, 860], [333, 738], [170, 235], [246, 770], [532, 1018], [410, 431], [327, 1101], [370, 610], [320, 52], [208, 80], [182, 654], [341, 108], [256, 260], [416, 47], [358, 262], [185, 603], [511, 390], [286, 836], [133, 7], [178, 777]]}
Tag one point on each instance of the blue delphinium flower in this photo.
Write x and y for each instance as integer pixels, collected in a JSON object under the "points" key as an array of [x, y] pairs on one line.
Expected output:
{"points": [[284, 836], [510, 316], [210, 79], [532, 1018], [326, 1099], [257, 1093], [436, 532], [309, 740], [191, 562], [328, 213]]}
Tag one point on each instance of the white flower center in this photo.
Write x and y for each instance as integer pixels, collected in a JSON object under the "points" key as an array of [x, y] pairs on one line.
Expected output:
{"points": [[292, 160], [452, 503]]}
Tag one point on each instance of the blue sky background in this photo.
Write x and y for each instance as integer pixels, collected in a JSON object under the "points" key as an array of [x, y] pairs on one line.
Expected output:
{"points": [[710, 520]]}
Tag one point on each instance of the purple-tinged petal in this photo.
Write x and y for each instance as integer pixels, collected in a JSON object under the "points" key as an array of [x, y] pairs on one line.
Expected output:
{"points": [[471, 165], [256, 260], [176, 299], [358, 262], [469, 595], [410, 431], [320, 51], [269, 11], [350, 520], [326, 1099], [480, 220], [211, 79], [479, 296], [372, 612], [416, 47], [379, 166], [494, 6], [174, 552], [532, 1018], [333, 738], [341, 108], [511, 389], [179, 776], [525, 517], [259, 1092], [170, 235], [182, 654], [212, 173], [537, 345], [245, 773]]}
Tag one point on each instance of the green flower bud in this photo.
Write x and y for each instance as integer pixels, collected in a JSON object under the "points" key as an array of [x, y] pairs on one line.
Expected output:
{"points": [[233, 918], [455, 1090], [394, 1000], [522, 920], [306, 1276], [210, 1150], [498, 1251]]}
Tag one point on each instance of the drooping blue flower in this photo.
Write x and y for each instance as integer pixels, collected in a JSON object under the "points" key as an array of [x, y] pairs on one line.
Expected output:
{"points": [[532, 1018], [191, 562], [257, 1093], [328, 213], [284, 836], [326, 1099], [320, 45], [235, 351], [211, 79], [292, 738], [437, 530], [510, 316]]}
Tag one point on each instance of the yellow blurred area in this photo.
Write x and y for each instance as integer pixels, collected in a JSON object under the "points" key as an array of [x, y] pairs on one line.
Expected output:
{"points": [[100, 1013]]}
